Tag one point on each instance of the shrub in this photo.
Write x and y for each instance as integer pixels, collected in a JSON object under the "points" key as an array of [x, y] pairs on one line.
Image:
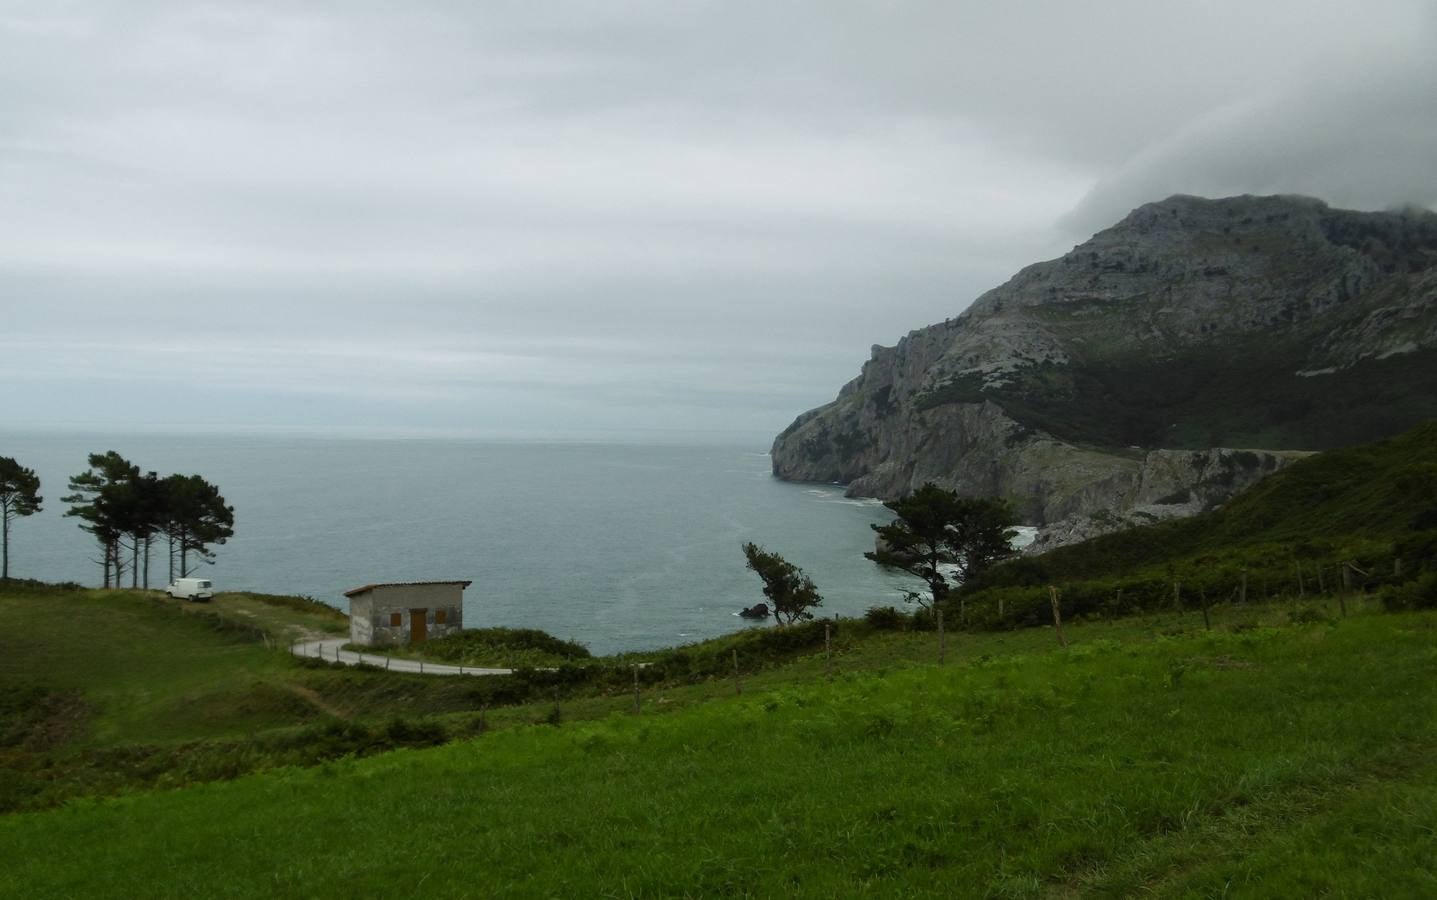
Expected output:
{"points": [[405, 733], [886, 618], [1420, 593], [1308, 615]]}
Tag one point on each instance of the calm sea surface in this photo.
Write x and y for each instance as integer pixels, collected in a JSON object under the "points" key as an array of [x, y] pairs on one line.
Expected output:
{"points": [[617, 545]]}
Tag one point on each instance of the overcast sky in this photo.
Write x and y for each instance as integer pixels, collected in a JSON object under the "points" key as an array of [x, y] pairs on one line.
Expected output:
{"points": [[526, 218]]}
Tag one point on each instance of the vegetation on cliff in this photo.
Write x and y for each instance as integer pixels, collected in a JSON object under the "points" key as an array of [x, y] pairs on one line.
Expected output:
{"points": [[1356, 518]]}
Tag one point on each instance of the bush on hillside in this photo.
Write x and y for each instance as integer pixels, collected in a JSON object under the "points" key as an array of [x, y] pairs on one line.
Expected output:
{"points": [[507, 647], [886, 618], [1420, 593]]}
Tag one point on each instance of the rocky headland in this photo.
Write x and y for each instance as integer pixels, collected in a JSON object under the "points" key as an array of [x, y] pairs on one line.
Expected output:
{"points": [[1152, 371]]}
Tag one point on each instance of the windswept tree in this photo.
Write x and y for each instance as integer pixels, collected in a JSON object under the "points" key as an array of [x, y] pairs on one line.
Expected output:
{"points": [[144, 517], [791, 592], [195, 516], [102, 499], [938, 535], [125, 510], [19, 496]]}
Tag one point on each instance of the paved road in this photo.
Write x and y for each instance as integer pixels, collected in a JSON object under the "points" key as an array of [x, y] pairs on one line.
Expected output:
{"points": [[331, 650]]}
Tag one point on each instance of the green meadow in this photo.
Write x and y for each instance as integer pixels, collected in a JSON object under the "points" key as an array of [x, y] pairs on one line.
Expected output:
{"points": [[1252, 760]]}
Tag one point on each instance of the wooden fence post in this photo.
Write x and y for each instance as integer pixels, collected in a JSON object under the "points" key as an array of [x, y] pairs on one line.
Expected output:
{"points": [[737, 678], [1301, 588], [1397, 567], [1057, 615], [636, 690], [1242, 596], [1177, 595], [1000, 608], [941, 647], [1321, 583], [1202, 598], [827, 651]]}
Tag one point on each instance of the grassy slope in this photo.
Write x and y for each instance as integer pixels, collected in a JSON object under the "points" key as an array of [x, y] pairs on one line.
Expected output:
{"points": [[145, 672], [1113, 768], [1368, 504], [110, 691]]}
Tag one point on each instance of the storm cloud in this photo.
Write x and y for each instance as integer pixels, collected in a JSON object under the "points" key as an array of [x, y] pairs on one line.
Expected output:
{"points": [[509, 218]]}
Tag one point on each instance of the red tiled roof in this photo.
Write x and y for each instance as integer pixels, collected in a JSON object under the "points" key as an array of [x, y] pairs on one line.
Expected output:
{"points": [[370, 587]]}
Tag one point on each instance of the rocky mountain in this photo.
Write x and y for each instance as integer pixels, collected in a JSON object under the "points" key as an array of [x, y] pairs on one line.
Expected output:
{"points": [[1112, 384]]}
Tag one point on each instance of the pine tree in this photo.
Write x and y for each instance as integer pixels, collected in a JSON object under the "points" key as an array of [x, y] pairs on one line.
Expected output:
{"points": [[937, 532], [103, 499], [789, 590], [19, 496], [194, 517]]}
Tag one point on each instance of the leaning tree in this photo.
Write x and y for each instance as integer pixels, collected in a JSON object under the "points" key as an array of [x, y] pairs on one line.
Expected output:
{"points": [[789, 590], [19, 496], [939, 535]]}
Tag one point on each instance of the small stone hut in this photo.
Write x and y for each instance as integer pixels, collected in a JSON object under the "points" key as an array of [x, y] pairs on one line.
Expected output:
{"points": [[405, 612]]}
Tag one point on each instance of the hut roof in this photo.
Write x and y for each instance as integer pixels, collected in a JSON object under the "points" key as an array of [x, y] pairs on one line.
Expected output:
{"points": [[369, 587]]}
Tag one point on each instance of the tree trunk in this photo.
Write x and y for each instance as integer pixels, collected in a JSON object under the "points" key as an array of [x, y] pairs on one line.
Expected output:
{"points": [[940, 591], [171, 538], [134, 562], [148, 538], [5, 546]]}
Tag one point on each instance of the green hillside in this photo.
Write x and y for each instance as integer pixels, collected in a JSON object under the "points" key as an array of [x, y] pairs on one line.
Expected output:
{"points": [[1372, 506], [107, 691], [1253, 762]]}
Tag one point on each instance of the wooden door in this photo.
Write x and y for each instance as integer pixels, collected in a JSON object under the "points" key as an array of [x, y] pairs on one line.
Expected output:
{"points": [[418, 627]]}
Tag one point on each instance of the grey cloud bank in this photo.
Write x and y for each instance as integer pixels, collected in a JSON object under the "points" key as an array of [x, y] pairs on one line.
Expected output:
{"points": [[496, 219]]}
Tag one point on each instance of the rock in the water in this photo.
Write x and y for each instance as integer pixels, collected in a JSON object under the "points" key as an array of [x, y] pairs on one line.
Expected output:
{"points": [[757, 611]]}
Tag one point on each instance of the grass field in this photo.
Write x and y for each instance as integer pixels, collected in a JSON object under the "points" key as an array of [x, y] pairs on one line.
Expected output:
{"points": [[105, 691], [1152, 757]]}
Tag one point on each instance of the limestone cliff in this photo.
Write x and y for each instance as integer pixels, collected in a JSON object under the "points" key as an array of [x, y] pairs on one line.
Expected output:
{"points": [[1095, 389]]}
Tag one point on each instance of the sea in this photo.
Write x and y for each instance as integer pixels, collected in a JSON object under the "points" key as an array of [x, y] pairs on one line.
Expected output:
{"points": [[620, 543]]}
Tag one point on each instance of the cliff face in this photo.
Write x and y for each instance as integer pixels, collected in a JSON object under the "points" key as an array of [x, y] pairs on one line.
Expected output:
{"points": [[1093, 389]]}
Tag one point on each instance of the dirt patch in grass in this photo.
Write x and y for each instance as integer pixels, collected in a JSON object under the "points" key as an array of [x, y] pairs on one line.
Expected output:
{"points": [[34, 719]]}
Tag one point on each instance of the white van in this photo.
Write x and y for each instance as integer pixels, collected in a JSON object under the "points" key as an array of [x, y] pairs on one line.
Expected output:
{"points": [[191, 589]]}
